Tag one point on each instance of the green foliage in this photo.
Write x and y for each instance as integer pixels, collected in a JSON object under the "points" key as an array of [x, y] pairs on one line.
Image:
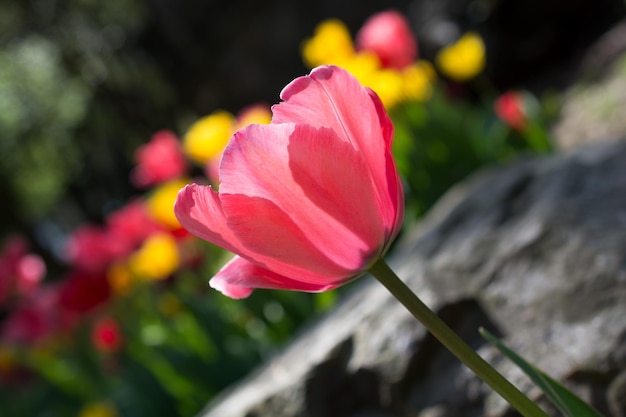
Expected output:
{"points": [[61, 69], [40, 106], [443, 140], [566, 401]]}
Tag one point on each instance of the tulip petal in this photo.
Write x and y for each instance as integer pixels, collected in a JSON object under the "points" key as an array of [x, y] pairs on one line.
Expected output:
{"points": [[333, 176], [331, 97], [234, 291], [239, 277], [392, 209], [316, 184], [199, 210], [274, 241]]}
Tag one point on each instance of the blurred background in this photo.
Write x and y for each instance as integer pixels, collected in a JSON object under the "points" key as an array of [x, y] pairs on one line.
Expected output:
{"points": [[108, 108]]}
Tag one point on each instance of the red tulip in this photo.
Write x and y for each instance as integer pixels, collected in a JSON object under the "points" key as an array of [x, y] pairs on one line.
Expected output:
{"points": [[159, 160], [308, 202], [106, 335], [389, 36], [510, 108], [82, 292]]}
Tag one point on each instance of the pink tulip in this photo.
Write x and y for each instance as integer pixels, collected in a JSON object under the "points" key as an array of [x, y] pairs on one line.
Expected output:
{"points": [[308, 202], [130, 225], [21, 272], [92, 248], [389, 36], [159, 160], [30, 271]]}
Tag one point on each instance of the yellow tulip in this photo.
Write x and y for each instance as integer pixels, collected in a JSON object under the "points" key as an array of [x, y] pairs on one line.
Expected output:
{"points": [[255, 114], [331, 42], [463, 59], [208, 137], [161, 203], [389, 86], [418, 81], [156, 259]]}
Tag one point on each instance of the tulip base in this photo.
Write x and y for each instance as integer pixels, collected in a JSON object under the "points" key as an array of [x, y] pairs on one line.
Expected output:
{"points": [[442, 332]]}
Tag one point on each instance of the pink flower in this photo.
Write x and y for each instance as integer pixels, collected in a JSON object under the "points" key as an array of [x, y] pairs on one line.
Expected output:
{"points": [[30, 272], [20, 272], [131, 225], [308, 202], [389, 36], [92, 248], [159, 160]]}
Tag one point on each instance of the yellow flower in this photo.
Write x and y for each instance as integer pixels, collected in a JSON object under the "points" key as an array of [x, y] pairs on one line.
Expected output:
{"points": [[98, 409], [418, 81], [389, 86], [330, 43], [207, 138], [395, 86], [156, 259], [464, 59], [255, 114], [161, 203], [361, 65]]}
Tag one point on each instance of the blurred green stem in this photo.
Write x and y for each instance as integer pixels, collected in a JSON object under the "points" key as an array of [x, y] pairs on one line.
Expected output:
{"points": [[453, 342]]}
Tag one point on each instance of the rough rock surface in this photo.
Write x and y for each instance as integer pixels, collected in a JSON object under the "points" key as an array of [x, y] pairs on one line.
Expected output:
{"points": [[535, 252]]}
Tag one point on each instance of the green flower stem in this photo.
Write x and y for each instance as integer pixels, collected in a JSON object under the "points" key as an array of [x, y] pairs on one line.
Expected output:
{"points": [[453, 342]]}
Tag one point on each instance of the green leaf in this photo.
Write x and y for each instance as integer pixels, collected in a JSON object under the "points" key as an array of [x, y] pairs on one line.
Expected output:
{"points": [[565, 400]]}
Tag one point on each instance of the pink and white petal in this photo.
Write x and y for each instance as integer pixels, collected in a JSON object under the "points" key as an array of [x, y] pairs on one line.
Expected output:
{"points": [[321, 182], [199, 210], [236, 292], [239, 277]]}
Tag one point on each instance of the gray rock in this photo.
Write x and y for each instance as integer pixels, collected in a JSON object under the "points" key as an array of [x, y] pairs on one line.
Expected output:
{"points": [[594, 109], [534, 252]]}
